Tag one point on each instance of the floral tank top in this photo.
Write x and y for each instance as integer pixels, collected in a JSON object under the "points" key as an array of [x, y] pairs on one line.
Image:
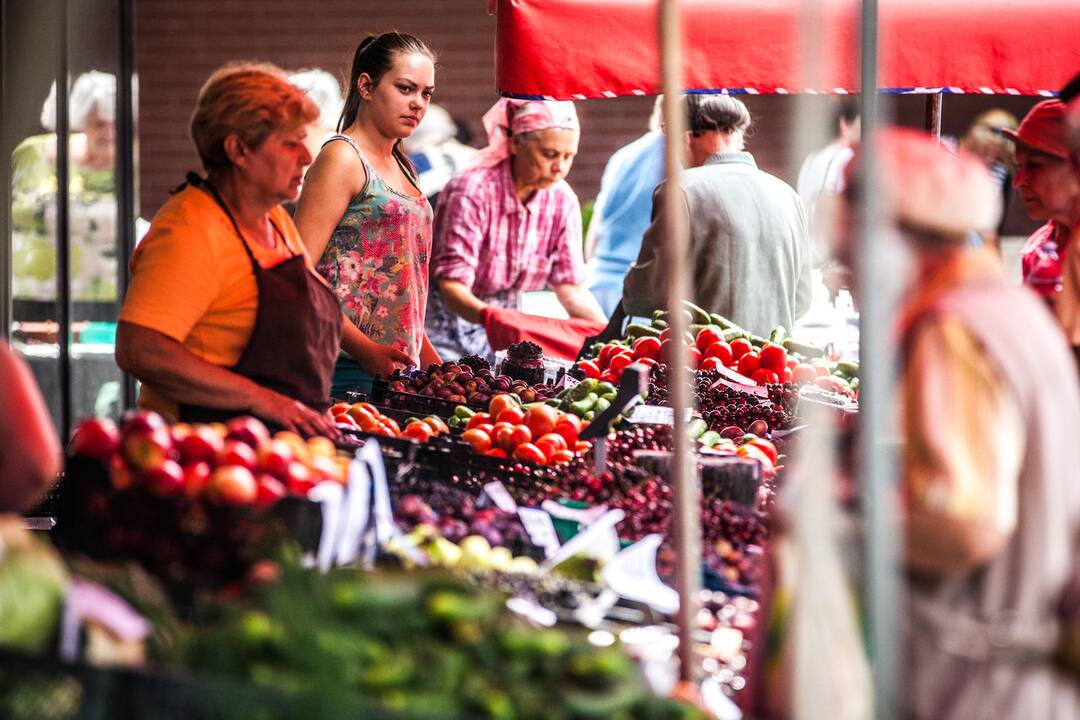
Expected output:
{"points": [[377, 262]]}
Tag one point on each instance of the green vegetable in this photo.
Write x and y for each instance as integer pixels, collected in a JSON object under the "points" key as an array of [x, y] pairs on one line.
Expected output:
{"points": [[660, 324], [697, 315], [584, 405], [635, 330], [778, 334], [589, 415], [605, 388], [709, 438], [454, 421], [805, 349], [32, 587], [609, 396], [583, 388], [555, 401], [723, 322], [734, 333], [464, 412], [696, 428], [602, 404], [848, 367]]}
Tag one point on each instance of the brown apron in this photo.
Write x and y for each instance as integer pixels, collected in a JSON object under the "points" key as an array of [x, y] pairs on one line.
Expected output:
{"points": [[297, 333]]}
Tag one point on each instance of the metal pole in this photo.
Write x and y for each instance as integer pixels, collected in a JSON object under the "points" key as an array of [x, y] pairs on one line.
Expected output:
{"points": [[125, 160], [63, 244], [876, 355], [933, 114], [682, 476], [5, 187]]}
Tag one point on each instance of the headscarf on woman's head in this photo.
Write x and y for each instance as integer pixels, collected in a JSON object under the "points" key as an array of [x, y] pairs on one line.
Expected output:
{"points": [[508, 117]]}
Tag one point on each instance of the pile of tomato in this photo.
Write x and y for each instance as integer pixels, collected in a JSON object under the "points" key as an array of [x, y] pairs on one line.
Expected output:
{"points": [[539, 433]]}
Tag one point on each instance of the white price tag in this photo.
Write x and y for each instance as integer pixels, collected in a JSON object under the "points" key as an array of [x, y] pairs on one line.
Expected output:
{"points": [[599, 540], [499, 495], [632, 574], [540, 529], [330, 497], [582, 516], [568, 382], [356, 511]]}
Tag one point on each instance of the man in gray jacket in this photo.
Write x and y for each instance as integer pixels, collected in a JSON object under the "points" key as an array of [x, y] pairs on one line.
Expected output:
{"points": [[749, 248]]}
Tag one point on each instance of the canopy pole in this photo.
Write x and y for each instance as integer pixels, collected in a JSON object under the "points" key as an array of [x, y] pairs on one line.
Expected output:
{"points": [[933, 114], [682, 477], [878, 292]]}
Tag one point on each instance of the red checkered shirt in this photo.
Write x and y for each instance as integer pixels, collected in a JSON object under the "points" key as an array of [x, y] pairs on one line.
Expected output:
{"points": [[486, 238]]}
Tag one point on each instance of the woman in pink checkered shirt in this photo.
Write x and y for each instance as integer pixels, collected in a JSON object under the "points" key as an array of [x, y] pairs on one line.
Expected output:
{"points": [[508, 225]]}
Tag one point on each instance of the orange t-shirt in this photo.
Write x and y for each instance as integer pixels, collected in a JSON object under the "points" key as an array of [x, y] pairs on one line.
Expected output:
{"points": [[192, 281]]}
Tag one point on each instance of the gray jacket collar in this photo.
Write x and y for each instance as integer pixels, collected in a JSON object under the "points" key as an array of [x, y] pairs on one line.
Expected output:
{"points": [[735, 156]]}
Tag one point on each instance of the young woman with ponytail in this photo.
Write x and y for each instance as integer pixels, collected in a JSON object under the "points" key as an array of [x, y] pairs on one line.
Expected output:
{"points": [[363, 215]]}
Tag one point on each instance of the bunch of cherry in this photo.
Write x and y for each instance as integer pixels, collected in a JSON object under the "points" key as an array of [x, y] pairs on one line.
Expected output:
{"points": [[723, 406], [455, 514]]}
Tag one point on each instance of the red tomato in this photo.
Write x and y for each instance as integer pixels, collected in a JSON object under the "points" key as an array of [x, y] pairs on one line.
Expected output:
{"points": [[527, 452], [590, 368], [706, 337], [560, 456], [665, 334], [343, 419], [608, 376], [739, 347], [512, 415], [764, 377], [711, 363], [552, 440], [748, 363], [486, 427], [619, 363], [390, 424], [417, 430], [541, 419], [803, 374], [786, 377], [501, 402], [478, 419], [497, 452], [582, 446], [693, 356], [792, 362], [646, 347], [478, 440], [719, 350], [752, 451], [609, 351], [773, 357], [568, 425], [504, 437]]}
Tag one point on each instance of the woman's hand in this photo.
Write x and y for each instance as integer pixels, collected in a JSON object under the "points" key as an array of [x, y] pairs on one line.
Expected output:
{"points": [[384, 359], [294, 415]]}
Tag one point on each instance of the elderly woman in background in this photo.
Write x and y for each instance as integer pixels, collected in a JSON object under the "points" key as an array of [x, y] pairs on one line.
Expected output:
{"points": [[92, 210], [508, 225], [225, 313]]}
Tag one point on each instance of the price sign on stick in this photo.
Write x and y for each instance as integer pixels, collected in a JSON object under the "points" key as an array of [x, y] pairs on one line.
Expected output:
{"points": [[500, 496], [632, 574], [540, 529], [599, 540]]}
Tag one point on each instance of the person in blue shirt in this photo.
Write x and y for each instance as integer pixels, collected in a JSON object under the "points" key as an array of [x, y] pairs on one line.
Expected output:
{"points": [[622, 212]]}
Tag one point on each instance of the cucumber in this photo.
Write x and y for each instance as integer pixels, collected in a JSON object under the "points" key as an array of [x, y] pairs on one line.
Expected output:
{"points": [[602, 404], [660, 325], [778, 334], [723, 322], [659, 315], [698, 316], [604, 388], [464, 412], [635, 330], [848, 367], [807, 350], [733, 334]]}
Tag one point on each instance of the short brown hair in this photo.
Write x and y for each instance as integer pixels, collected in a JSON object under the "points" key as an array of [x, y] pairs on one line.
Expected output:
{"points": [[249, 99]]}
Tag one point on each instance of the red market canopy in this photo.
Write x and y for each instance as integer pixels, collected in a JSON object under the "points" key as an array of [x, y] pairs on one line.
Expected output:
{"points": [[577, 49]]}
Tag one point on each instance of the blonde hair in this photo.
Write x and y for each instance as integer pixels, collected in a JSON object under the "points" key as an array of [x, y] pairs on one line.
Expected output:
{"points": [[251, 100]]}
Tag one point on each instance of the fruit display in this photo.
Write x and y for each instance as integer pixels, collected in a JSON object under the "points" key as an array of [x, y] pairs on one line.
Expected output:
{"points": [[586, 399], [539, 434], [366, 418], [461, 384], [419, 644]]}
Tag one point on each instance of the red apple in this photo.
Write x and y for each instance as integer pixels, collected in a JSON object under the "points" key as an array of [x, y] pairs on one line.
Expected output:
{"points": [[200, 445], [166, 479], [141, 420], [234, 452], [95, 438], [232, 485], [268, 490], [196, 477], [145, 449], [248, 430], [299, 478], [274, 457], [119, 473]]}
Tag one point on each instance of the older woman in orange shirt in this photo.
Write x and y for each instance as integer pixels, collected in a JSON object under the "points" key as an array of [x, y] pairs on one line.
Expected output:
{"points": [[225, 314]]}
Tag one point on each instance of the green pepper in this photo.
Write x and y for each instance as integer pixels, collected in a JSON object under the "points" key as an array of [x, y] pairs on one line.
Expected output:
{"points": [[602, 404], [583, 388], [454, 421], [609, 396], [589, 415], [584, 405], [553, 402], [604, 388]]}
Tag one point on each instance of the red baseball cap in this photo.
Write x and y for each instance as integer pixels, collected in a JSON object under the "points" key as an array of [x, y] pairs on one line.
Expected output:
{"points": [[1043, 129]]}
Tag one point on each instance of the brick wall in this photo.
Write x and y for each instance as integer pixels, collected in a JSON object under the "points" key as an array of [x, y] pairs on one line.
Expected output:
{"points": [[180, 43]]}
